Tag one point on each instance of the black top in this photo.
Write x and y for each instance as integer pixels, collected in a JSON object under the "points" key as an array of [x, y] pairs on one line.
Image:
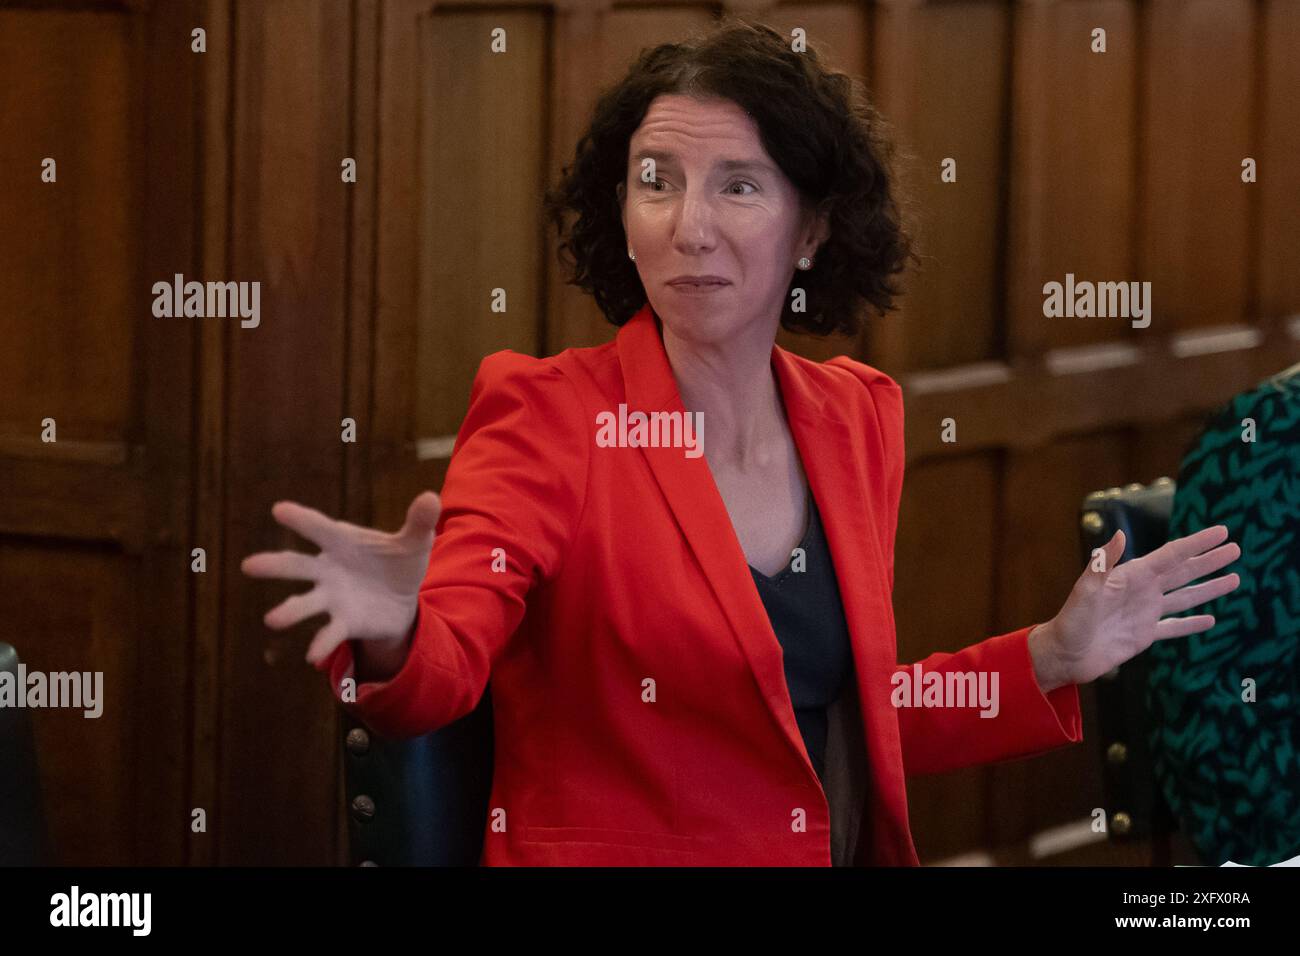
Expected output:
{"points": [[808, 617]]}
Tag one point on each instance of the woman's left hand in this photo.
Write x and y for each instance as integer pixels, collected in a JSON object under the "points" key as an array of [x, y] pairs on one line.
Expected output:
{"points": [[1116, 612]]}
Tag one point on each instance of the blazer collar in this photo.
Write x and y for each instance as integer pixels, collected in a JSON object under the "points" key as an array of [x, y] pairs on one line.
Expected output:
{"points": [[833, 458]]}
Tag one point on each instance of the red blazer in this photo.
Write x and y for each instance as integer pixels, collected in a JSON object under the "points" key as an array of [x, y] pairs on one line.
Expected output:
{"points": [[640, 703]]}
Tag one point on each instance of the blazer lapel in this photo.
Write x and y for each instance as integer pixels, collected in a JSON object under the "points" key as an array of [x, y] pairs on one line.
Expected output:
{"points": [[831, 456], [836, 459], [696, 503]]}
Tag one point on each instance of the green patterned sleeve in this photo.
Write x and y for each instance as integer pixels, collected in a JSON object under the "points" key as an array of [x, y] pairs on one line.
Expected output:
{"points": [[1225, 703]]}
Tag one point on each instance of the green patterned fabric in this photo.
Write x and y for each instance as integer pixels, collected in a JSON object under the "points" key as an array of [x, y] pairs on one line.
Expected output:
{"points": [[1229, 769]]}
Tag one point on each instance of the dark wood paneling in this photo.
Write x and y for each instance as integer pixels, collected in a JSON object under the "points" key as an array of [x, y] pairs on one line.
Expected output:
{"points": [[1038, 564], [209, 437], [69, 276], [68, 608], [94, 528], [165, 404], [572, 318], [1074, 164], [396, 268], [1277, 143], [941, 75], [943, 603], [481, 179], [1196, 126], [285, 399]]}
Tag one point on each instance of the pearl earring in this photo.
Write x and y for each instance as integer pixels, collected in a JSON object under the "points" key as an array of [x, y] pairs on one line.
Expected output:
{"points": [[805, 262], [631, 255]]}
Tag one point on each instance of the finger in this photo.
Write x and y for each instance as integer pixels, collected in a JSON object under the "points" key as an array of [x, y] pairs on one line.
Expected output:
{"points": [[422, 516], [1201, 565], [327, 639], [297, 608], [1173, 553], [1182, 626], [290, 565], [1115, 548], [315, 526], [1184, 598], [1111, 552]]}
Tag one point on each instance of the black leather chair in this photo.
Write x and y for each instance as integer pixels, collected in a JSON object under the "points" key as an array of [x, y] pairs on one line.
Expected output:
{"points": [[420, 801], [24, 840], [1135, 807]]}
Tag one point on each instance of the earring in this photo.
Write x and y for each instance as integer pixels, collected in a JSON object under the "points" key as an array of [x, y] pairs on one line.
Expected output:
{"points": [[805, 262], [631, 255]]}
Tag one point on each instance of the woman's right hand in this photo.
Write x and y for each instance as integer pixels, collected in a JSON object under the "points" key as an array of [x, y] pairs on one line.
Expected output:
{"points": [[368, 581]]}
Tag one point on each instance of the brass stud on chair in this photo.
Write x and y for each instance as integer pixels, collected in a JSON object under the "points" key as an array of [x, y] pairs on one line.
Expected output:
{"points": [[1134, 486], [1092, 522], [358, 741], [1163, 480], [1117, 753], [1121, 823], [363, 808]]}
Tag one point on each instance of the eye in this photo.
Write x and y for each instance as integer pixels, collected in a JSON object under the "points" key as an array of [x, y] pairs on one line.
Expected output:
{"points": [[743, 182]]}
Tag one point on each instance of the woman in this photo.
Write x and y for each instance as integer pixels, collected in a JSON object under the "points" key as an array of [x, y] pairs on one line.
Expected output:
{"points": [[665, 689]]}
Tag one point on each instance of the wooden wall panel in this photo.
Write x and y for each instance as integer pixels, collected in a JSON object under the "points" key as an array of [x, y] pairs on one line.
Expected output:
{"points": [[482, 117], [940, 77], [1196, 126], [571, 316], [1038, 564], [205, 646], [1277, 141], [1073, 174], [391, 453], [93, 528], [1158, 450], [944, 603], [70, 278], [165, 392], [285, 395], [68, 608]]}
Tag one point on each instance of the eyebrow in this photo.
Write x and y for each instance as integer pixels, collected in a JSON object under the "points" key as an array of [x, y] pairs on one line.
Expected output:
{"points": [[727, 165]]}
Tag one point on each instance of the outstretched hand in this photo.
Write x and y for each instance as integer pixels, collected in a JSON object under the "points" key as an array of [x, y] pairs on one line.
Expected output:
{"points": [[368, 581], [1116, 611]]}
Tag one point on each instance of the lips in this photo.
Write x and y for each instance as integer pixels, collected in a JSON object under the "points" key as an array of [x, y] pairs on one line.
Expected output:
{"points": [[698, 281]]}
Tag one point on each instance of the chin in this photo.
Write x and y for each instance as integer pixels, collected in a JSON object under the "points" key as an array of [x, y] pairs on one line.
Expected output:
{"points": [[701, 321]]}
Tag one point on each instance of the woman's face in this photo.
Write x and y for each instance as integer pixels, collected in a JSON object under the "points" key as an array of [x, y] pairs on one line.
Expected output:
{"points": [[716, 205]]}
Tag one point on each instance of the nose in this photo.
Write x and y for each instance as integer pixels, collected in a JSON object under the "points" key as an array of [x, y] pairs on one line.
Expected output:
{"points": [[694, 231]]}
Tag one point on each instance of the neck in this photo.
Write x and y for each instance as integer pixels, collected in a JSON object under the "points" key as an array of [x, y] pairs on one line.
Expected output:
{"points": [[734, 385]]}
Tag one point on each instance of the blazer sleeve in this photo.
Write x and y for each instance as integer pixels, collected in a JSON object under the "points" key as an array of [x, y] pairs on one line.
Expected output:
{"points": [[1026, 722], [512, 497], [936, 739]]}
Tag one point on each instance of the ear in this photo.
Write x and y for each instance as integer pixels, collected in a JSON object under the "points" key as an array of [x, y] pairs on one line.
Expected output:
{"points": [[818, 228]]}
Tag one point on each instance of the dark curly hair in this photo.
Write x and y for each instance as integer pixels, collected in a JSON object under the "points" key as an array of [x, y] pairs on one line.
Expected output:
{"points": [[818, 126]]}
